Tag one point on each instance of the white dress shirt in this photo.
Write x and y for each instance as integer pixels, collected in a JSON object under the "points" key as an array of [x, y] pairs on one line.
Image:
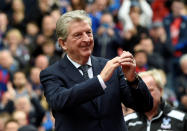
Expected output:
{"points": [[90, 70]]}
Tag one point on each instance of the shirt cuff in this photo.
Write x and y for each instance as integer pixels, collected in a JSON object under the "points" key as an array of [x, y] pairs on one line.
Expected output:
{"points": [[103, 85]]}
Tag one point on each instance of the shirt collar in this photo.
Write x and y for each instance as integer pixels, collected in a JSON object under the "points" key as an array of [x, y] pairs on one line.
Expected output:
{"points": [[78, 65]]}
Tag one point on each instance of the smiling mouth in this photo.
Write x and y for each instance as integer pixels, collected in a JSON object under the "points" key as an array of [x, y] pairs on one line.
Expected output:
{"points": [[86, 46]]}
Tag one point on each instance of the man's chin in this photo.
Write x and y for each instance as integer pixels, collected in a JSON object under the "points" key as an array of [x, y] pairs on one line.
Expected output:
{"points": [[87, 53]]}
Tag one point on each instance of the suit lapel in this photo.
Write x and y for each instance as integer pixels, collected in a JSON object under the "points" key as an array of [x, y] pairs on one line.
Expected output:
{"points": [[75, 75], [70, 70], [97, 68]]}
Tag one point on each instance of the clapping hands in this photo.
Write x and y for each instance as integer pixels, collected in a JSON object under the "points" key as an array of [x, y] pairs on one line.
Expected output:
{"points": [[126, 61]]}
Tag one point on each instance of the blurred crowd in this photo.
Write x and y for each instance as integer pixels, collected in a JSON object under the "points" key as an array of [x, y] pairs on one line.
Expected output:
{"points": [[154, 31]]}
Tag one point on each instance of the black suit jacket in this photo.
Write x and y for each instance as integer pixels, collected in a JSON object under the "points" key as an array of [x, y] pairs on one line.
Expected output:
{"points": [[79, 105]]}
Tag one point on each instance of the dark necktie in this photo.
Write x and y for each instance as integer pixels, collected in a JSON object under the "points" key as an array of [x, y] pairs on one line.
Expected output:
{"points": [[84, 69]]}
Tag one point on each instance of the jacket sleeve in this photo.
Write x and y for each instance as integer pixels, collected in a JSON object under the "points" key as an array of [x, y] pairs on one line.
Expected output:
{"points": [[138, 99], [60, 97]]}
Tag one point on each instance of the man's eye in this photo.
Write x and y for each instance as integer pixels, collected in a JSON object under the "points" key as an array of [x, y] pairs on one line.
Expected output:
{"points": [[89, 33], [77, 35]]}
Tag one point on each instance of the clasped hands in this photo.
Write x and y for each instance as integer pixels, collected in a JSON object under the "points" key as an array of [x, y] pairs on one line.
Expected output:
{"points": [[127, 63]]}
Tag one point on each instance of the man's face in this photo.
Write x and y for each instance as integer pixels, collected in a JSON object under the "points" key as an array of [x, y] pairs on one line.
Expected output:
{"points": [[19, 80], [141, 59], [147, 45], [153, 88], [184, 67], [79, 43], [177, 8], [12, 126]]}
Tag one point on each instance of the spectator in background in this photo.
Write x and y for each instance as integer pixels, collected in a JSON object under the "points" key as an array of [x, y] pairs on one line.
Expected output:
{"points": [[107, 39], [48, 49], [132, 33], [160, 10], [5, 63], [11, 125], [48, 26], [41, 62], [161, 45], [176, 28], [32, 31], [14, 43], [17, 18], [64, 6], [4, 26], [141, 7], [154, 60], [141, 60], [100, 6], [55, 14], [45, 6], [8, 66], [3, 118], [32, 108], [7, 104], [96, 11], [47, 32], [162, 116], [78, 4], [23, 104], [34, 80], [21, 117], [181, 84], [8, 62], [21, 85]]}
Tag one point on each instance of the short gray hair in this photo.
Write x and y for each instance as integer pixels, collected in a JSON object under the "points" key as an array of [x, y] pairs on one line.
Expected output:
{"points": [[63, 22], [158, 76]]}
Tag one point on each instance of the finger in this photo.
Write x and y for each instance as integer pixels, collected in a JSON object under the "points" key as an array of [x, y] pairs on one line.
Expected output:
{"points": [[128, 64], [126, 54], [116, 60], [126, 60]]}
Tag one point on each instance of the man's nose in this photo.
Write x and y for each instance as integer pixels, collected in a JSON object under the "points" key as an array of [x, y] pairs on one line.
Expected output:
{"points": [[85, 37]]}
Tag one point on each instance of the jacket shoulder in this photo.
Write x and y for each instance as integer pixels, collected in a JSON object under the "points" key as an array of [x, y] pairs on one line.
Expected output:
{"points": [[50, 69]]}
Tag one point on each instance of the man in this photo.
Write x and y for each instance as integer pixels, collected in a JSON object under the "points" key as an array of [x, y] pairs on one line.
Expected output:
{"points": [[80, 103], [107, 39], [175, 25], [181, 83], [162, 117]]}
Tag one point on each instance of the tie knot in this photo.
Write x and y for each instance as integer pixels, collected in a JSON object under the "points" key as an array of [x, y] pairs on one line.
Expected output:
{"points": [[84, 69]]}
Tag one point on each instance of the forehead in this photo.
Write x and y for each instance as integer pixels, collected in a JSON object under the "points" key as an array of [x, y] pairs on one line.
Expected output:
{"points": [[19, 74], [78, 26], [177, 3], [149, 80]]}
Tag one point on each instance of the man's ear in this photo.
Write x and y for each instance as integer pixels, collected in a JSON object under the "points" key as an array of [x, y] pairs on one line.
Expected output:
{"points": [[62, 43]]}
